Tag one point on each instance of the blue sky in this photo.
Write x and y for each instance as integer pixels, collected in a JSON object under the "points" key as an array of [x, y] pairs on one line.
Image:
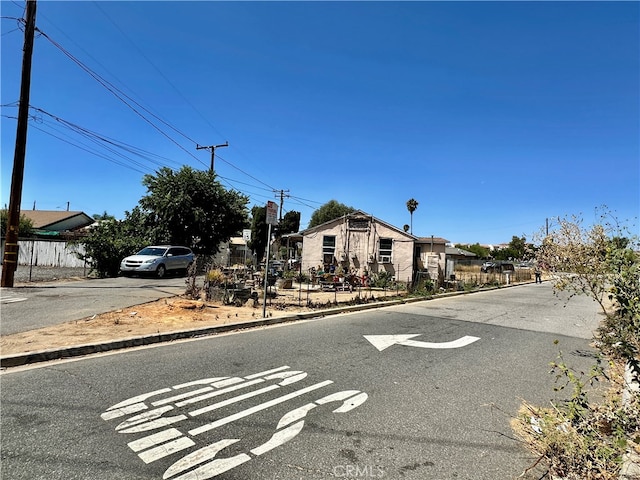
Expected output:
{"points": [[493, 115]]}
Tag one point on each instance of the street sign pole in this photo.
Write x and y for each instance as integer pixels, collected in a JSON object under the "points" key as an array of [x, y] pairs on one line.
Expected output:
{"points": [[272, 219], [266, 276]]}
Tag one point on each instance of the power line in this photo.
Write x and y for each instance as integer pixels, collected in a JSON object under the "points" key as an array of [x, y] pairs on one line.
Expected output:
{"points": [[123, 33], [119, 94], [179, 93], [130, 102], [245, 173], [127, 100], [88, 150], [104, 138]]}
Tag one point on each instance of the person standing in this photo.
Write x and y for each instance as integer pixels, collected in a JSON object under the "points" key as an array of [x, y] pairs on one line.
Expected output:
{"points": [[538, 275]]}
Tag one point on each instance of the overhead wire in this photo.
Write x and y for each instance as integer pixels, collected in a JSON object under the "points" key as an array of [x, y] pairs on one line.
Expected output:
{"points": [[78, 143], [245, 173], [88, 150], [94, 136], [126, 99], [166, 79], [124, 34]]}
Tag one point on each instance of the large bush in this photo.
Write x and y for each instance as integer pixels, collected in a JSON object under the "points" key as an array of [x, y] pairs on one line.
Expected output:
{"points": [[111, 240]]}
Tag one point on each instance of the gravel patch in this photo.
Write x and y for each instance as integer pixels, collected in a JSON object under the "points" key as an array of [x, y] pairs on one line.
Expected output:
{"points": [[33, 274]]}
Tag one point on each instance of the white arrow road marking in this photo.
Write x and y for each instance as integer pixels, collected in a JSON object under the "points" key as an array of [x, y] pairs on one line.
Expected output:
{"points": [[385, 341]]}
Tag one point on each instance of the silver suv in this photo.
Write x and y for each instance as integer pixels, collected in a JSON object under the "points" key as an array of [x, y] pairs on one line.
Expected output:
{"points": [[158, 260]]}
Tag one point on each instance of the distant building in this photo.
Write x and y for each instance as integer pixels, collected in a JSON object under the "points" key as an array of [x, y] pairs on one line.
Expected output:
{"points": [[56, 222], [456, 253]]}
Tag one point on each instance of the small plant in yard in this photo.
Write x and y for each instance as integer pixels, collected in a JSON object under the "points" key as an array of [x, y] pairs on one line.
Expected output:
{"points": [[193, 289], [216, 277], [382, 279]]}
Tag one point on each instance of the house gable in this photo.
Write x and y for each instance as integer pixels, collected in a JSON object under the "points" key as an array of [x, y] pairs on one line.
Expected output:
{"points": [[57, 221], [358, 243]]}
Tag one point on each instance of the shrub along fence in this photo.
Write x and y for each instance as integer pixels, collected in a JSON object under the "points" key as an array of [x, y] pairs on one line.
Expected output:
{"points": [[469, 277]]}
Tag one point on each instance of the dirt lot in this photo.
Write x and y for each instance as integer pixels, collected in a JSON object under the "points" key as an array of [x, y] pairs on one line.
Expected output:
{"points": [[173, 314]]}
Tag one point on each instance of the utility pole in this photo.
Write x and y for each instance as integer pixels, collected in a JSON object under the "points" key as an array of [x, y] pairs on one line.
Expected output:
{"points": [[10, 259], [212, 148], [282, 195]]}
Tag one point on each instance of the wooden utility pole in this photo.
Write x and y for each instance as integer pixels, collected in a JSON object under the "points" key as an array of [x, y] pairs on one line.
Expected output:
{"points": [[10, 258], [212, 148], [282, 195]]}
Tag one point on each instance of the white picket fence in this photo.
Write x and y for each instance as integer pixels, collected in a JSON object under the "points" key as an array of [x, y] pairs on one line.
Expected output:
{"points": [[48, 253]]}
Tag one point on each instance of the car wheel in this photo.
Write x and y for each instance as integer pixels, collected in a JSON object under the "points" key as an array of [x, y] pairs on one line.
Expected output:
{"points": [[161, 271]]}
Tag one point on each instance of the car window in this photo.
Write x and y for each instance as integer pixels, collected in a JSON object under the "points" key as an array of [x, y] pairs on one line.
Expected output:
{"points": [[152, 251]]}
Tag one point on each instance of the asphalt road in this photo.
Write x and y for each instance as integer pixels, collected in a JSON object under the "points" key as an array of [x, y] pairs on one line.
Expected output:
{"points": [[310, 400], [30, 307]]}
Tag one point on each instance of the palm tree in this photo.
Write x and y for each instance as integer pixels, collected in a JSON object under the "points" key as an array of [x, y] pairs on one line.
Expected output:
{"points": [[412, 205]]}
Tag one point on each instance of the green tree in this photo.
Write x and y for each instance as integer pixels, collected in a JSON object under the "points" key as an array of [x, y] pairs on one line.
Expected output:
{"points": [[412, 205], [329, 211], [190, 207], [102, 216], [479, 250], [290, 223], [518, 249], [259, 231], [109, 241]]}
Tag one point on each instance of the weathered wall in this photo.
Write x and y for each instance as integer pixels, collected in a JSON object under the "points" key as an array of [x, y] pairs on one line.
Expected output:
{"points": [[357, 249], [48, 253]]}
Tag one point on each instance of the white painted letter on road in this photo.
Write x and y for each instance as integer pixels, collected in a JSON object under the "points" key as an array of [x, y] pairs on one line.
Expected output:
{"points": [[158, 420]]}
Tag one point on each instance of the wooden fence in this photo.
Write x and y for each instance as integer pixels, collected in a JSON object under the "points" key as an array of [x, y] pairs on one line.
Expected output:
{"points": [[48, 253]]}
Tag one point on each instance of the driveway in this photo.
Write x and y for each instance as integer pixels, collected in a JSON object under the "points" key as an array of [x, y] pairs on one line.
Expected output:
{"points": [[35, 306]]}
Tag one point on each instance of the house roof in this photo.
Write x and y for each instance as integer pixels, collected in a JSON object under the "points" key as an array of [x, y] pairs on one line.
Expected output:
{"points": [[438, 240], [459, 252], [357, 214], [56, 220]]}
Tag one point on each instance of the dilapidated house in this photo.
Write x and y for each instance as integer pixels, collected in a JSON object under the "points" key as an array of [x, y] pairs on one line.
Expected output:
{"points": [[362, 244]]}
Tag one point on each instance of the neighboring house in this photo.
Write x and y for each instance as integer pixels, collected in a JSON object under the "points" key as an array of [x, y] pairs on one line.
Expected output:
{"points": [[50, 246], [455, 256], [233, 252], [56, 222], [455, 253], [431, 257], [360, 243]]}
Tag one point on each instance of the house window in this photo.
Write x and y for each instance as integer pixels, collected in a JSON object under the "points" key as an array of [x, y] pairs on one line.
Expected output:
{"points": [[328, 250], [385, 250], [328, 247], [329, 244]]}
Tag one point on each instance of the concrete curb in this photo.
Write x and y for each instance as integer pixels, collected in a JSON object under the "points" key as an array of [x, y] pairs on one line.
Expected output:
{"points": [[27, 358], [80, 350]]}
